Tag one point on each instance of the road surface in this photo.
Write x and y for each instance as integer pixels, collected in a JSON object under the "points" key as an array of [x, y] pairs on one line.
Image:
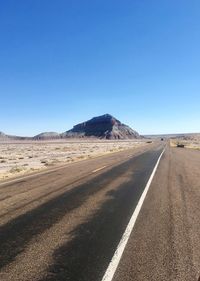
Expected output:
{"points": [[66, 224]]}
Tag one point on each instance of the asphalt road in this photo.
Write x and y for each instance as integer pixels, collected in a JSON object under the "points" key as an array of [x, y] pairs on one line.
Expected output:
{"points": [[66, 224], [165, 242]]}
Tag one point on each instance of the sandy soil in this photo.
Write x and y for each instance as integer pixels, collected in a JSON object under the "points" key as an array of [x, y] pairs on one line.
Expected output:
{"points": [[18, 158], [189, 142]]}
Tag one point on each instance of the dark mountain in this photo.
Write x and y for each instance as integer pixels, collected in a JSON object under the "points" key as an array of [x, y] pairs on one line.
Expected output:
{"points": [[103, 127]]}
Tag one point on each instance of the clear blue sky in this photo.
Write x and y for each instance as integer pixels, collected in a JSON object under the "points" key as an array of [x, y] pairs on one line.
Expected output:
{"points": [[65, 61]]}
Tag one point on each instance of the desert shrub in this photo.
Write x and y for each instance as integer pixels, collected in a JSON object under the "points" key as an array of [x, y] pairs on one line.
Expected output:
{"points": [[80, 157], [16, 169]]}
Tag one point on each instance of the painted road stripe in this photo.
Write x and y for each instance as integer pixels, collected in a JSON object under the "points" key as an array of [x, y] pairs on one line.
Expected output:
{"points": [[99, 169], [40, 174], [108, 276]]}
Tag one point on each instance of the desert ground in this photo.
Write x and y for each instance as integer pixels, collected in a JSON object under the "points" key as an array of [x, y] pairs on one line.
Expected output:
{"points": [[191, 141], [19, 158]]}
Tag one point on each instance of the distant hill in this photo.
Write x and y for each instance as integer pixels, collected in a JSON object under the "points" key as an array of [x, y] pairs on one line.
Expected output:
{"points": [[175, 136], [3, 136], [47, 136], [103, 127], [9, 137]]}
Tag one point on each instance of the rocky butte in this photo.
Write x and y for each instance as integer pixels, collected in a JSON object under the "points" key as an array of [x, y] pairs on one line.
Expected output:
{"points": [[103, 127]]}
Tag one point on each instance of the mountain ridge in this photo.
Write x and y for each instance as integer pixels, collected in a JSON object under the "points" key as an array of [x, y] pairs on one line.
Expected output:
{"points": [[102, 127]]}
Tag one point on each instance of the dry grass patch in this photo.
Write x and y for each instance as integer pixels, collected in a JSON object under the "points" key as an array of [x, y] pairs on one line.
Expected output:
{"points": [[26, 157]]}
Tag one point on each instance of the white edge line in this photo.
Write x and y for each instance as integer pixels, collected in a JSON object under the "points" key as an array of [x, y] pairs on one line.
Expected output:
{"points": [[112, 267]]}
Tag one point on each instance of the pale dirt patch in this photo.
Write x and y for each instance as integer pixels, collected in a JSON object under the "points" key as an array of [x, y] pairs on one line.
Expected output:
{"points": [[193, 143], [19, 158]]}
